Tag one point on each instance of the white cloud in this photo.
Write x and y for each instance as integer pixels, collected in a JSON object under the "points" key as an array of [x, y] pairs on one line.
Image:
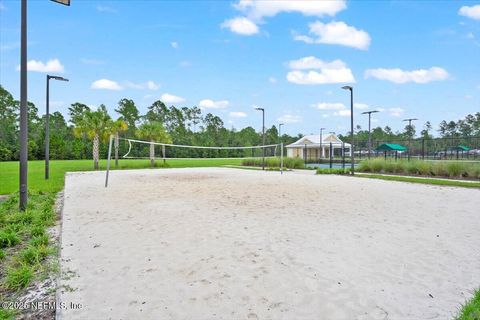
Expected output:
{"points": [[51, 66], [241, 25], [289, 118], [401, 76], [472, 12], [210, 104], [329, 72], [272, 80], [170, 98], [336, 33], [237, 114], [396, 112], [174, 45], [361, 106], [342, 113], [329, 106], [150, 85], [257, 9], [106, 9], [105, 84]]}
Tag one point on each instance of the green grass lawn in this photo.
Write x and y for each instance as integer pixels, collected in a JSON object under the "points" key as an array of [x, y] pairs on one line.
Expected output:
{"points": [[9, 179]]}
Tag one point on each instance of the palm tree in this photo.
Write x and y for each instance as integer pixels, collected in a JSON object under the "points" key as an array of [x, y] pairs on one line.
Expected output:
{"points": [[153, 131], [96, 125], [117, 126]]}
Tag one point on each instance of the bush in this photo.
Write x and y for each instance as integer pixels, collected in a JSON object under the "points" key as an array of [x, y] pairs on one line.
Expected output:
{"points": [[32, 255], [20, 277], [38, 241], [333, 171], [8, 238], [454, 169], [424, 168], [2, 254], [290, 163]]}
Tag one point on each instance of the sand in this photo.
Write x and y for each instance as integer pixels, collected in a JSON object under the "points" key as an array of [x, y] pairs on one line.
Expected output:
{"points": [[218, 243]]}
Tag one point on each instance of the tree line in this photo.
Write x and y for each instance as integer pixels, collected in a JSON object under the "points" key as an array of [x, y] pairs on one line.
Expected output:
{"points": [[85, 134]]}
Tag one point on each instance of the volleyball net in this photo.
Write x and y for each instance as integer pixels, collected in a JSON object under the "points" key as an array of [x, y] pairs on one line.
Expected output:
{"points": [[153, 151]]}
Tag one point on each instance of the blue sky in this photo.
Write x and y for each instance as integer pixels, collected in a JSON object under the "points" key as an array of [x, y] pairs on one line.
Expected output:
{"points": [[405, 58]]}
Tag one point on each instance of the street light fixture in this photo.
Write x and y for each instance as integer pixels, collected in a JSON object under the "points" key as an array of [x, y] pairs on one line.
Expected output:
{"points": [[409, 137], [351, 126], [263, 134], [369, 133], [47, 125], [24, 105]]}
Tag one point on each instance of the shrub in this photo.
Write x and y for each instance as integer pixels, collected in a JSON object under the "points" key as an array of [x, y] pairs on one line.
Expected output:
{"points": [[390, 167], [424, 168], [454, 169], [8, 238], [377, 165], [20, 277], [412, 167], [2, 254], [38, 241], [333, 171], [32, 255], [290, 163], [365, 166], [37, 231]]}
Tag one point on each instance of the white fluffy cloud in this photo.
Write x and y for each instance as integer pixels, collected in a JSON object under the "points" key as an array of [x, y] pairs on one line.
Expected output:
{"points": [[241, 25], [174, 45], [211, 104], [318, 71], [150, 85], [53, 65], [258, 9], [401, 76], [289, 118], [272, 80], [237, 114], [336, 33], [170, 98], [342, 113], [105, 84], [472, 12], [361, 106], [329, 106], [396, 112], [255, 11]]}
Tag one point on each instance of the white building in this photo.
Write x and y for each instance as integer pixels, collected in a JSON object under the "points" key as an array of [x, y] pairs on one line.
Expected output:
{"points": [[311, 148]]}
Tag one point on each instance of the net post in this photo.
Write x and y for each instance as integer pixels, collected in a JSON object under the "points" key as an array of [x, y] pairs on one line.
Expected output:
{"points": [[281, 158], [108, 160]]}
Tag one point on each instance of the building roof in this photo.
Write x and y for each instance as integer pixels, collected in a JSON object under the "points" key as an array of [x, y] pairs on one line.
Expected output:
{"points": [[390, 147], [313, 141], [460, 148]]}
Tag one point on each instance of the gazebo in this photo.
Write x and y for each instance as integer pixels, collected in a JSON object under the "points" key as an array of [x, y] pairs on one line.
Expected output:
{"points": [[310, 147], [460, 148], [391, 147]]}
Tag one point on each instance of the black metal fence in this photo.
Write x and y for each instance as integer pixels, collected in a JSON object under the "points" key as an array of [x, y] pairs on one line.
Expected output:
{"points": [[452, 148]]}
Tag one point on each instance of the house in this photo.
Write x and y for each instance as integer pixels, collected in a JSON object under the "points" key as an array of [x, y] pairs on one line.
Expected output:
{"points": [[310, 147]]}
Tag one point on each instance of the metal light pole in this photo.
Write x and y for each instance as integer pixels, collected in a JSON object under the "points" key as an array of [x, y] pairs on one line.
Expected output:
{"points": [[321, 140], [47, 125], [280, 132], [369, 133], [23, 110], [263, 134], [351, 126], [24, 105], [409, 137]]}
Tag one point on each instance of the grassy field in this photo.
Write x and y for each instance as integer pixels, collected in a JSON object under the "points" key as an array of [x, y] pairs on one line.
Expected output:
{"points": [[36, 172]]}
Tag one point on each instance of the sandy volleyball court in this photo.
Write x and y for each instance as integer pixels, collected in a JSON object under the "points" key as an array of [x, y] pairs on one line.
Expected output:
{"points": [[217, 243]]}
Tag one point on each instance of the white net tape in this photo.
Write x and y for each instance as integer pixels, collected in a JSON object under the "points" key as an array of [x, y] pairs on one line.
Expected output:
{"points": [[262, 147]]}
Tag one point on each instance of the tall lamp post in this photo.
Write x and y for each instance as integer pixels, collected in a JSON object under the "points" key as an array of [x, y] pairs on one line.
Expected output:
{"points": [[280, 132], [369, 132], [24, 104], [409, 137], [47, 125], [351, 126], [321, 141], [263, 134]]}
